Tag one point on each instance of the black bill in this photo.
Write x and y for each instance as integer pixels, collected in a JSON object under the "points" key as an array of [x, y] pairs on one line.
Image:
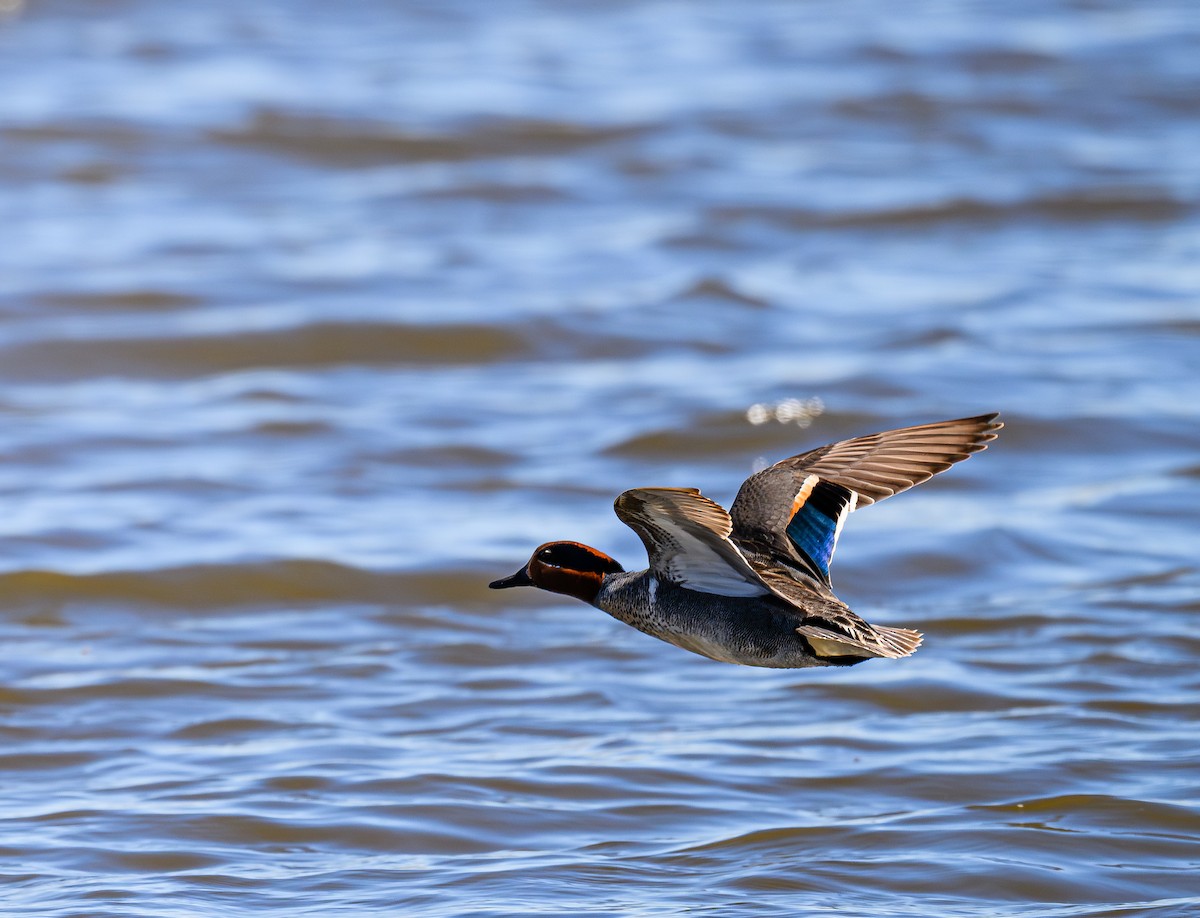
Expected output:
{"points": [[520, 578]]}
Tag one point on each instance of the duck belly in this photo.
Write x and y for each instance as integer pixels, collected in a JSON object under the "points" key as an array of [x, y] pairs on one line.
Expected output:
{"points": [[749, 631]]}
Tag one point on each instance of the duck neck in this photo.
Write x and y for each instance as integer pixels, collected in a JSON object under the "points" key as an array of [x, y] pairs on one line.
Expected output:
{"points": [[628, 596]]}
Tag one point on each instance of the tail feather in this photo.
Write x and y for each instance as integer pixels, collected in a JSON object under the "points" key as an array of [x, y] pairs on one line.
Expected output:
{"points": [[904, 641], [881, 641]]}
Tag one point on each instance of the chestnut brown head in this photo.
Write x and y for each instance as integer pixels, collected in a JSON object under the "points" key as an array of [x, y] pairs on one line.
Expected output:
{"points": [[570, 568]]}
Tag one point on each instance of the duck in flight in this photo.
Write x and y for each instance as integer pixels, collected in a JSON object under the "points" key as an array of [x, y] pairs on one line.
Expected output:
{"points": [[752, 585]]}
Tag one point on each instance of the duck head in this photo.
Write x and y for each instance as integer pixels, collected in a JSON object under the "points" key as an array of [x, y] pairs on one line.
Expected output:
{"points": [[570, 568]]}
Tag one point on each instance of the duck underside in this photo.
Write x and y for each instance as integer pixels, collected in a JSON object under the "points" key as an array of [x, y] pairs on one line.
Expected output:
{"points": [[788, 652], [751, 631]]}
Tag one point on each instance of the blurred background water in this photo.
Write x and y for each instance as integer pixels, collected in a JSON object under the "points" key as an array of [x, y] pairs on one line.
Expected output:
{"points": [[316, 317]]}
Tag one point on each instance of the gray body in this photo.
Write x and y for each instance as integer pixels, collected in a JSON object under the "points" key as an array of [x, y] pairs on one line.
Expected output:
{"points": [[753, 631]]}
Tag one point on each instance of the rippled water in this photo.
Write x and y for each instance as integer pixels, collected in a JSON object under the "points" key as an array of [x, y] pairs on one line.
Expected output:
{"points": [[314, 318]]}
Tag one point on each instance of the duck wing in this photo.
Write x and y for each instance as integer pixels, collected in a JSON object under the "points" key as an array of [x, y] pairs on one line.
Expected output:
{"points": [[687, 539], [793, 512]]}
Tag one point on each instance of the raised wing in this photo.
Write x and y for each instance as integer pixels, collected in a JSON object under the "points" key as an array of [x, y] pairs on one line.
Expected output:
{"points": [[793, 512], [687, 538]]}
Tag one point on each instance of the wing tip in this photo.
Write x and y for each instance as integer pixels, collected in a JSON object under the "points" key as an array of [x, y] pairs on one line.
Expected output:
{"points": [[988, 425], [984, 428]]}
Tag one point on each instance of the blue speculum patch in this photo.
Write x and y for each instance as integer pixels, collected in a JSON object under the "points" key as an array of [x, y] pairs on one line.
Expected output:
{"points": [[813, 529], [812, 532]]}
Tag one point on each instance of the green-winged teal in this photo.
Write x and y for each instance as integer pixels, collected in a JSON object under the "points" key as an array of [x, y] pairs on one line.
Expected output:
{"points": [[752, 585]]}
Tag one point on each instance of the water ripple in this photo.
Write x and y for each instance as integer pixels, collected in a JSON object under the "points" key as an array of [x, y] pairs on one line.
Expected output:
{"points": [[315, 320]]}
